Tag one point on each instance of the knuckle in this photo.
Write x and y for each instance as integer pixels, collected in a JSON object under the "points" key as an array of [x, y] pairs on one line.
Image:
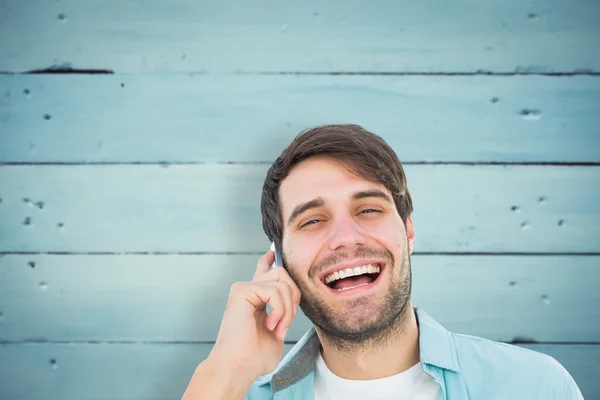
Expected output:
{"points": [[284, 287], [237, 287]]}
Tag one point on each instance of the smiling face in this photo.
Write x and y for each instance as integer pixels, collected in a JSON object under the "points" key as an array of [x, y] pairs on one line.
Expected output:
{"points": [[347, 249]]}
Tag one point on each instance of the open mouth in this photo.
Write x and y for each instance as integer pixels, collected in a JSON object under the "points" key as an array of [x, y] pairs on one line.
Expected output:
{"points": [[353, 278]]}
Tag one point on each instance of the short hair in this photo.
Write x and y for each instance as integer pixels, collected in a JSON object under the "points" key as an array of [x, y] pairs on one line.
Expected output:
{"points": [[362, 152]]}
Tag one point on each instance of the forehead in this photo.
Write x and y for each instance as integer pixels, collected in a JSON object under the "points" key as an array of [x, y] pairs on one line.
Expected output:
{"points": [[324, 178]]}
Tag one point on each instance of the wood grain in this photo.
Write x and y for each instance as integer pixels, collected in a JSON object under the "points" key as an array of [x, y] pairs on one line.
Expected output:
{"points": [[333, 36], [162, 371], [216, 208], [247, 119], [182, 298]]}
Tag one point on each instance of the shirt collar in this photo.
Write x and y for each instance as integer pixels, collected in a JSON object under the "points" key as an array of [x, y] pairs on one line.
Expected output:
{"points": [[436, 347], [436, 344]]}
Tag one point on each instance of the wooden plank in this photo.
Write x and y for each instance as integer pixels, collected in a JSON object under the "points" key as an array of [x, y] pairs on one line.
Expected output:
{"points": [[333, 36], [181, 118], [182, 298], [216, 208], [162, 371]]}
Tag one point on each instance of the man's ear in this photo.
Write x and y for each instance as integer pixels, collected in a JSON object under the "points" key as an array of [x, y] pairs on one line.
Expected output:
{"points": [[410, 233]]}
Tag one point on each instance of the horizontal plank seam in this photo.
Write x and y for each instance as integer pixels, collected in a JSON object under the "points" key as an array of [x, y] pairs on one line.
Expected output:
{"points": [[176, 342], [255, 253], [437, 73], [53, 70], [185, 163]]}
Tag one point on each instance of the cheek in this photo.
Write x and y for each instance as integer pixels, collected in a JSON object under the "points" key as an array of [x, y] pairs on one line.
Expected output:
{"points": [[297, 259], [391, 233]]}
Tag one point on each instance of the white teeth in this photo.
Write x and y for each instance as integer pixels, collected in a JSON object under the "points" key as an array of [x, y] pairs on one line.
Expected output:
{"points": [[364, 269]]}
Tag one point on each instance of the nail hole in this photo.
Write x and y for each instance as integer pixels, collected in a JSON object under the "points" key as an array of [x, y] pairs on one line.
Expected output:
{"points": [[183, 56], [532, 16], [40, 205], [62, 17], [561, 222], [26, 200], [122, 84], [43, 285], [494, 100], [53, 363], [512, 283], [524, 225], [31, 264], [47, 117], [60, 224], [27, 221], [530, 114], [26, 92], [542, 199], [545, 299], [515, 209]]}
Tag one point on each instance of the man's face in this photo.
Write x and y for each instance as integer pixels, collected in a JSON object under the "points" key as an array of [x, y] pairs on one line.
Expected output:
{"points": [[332, 221]]}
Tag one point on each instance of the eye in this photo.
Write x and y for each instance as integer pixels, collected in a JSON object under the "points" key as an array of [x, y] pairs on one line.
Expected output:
{"points": [[309, 222], [369, 211]]}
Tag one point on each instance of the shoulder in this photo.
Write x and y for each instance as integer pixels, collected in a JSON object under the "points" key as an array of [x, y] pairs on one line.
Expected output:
{"points": [[515, 370], [476, 349]]}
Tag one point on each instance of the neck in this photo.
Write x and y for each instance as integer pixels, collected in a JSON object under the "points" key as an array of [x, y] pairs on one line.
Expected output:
{"points": [[371, 359]]}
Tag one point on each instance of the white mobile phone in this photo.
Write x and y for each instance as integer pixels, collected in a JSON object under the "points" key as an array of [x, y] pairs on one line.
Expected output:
{"points": [[278, 258]]}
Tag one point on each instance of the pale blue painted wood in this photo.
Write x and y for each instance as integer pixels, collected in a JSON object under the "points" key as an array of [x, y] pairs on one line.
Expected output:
{"points": [[337, 35], [182, 298], [216, 208], [162, 371], [180, 118], [157, 115]]}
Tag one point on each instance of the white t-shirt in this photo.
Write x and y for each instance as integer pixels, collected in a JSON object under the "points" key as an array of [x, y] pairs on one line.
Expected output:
{"points": [[413, 384]]}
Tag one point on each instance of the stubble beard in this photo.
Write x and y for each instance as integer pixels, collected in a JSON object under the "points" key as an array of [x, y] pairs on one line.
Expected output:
{"points": [[361, 326]]}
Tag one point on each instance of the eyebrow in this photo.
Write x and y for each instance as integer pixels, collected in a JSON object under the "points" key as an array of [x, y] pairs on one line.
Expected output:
{"points": [[372, 193], [318, 202]]}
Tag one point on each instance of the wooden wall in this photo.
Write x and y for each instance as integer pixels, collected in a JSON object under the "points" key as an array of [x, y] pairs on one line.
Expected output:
{"points": [[135, 138]]}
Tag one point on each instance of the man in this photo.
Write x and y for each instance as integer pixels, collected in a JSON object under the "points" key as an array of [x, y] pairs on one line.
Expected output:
{"points": [[336, 202]]}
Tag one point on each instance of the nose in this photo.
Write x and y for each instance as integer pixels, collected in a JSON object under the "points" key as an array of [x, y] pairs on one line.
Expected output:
{"points": [[346, 233]]}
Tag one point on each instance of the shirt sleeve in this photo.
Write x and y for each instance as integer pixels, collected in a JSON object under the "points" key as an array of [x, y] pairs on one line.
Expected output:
{"points": [[570, 389]]}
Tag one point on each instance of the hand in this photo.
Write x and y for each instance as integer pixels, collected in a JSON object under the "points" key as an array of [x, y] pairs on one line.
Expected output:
{"points": [[249, 340]]}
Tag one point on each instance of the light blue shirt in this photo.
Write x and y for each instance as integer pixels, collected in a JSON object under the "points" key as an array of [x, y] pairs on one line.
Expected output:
{"points": [[465, 367]]}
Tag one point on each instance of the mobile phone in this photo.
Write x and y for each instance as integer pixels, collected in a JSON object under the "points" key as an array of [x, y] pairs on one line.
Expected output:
{"points": [[278, 258]]}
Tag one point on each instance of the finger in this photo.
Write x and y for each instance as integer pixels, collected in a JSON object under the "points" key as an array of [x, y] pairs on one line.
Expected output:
{"points": [[269, 293], [264, 264], [286, 320], [280, 274]]}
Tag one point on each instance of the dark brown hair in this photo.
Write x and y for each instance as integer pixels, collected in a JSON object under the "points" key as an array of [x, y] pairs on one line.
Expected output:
{"points": [[364, 154]]}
